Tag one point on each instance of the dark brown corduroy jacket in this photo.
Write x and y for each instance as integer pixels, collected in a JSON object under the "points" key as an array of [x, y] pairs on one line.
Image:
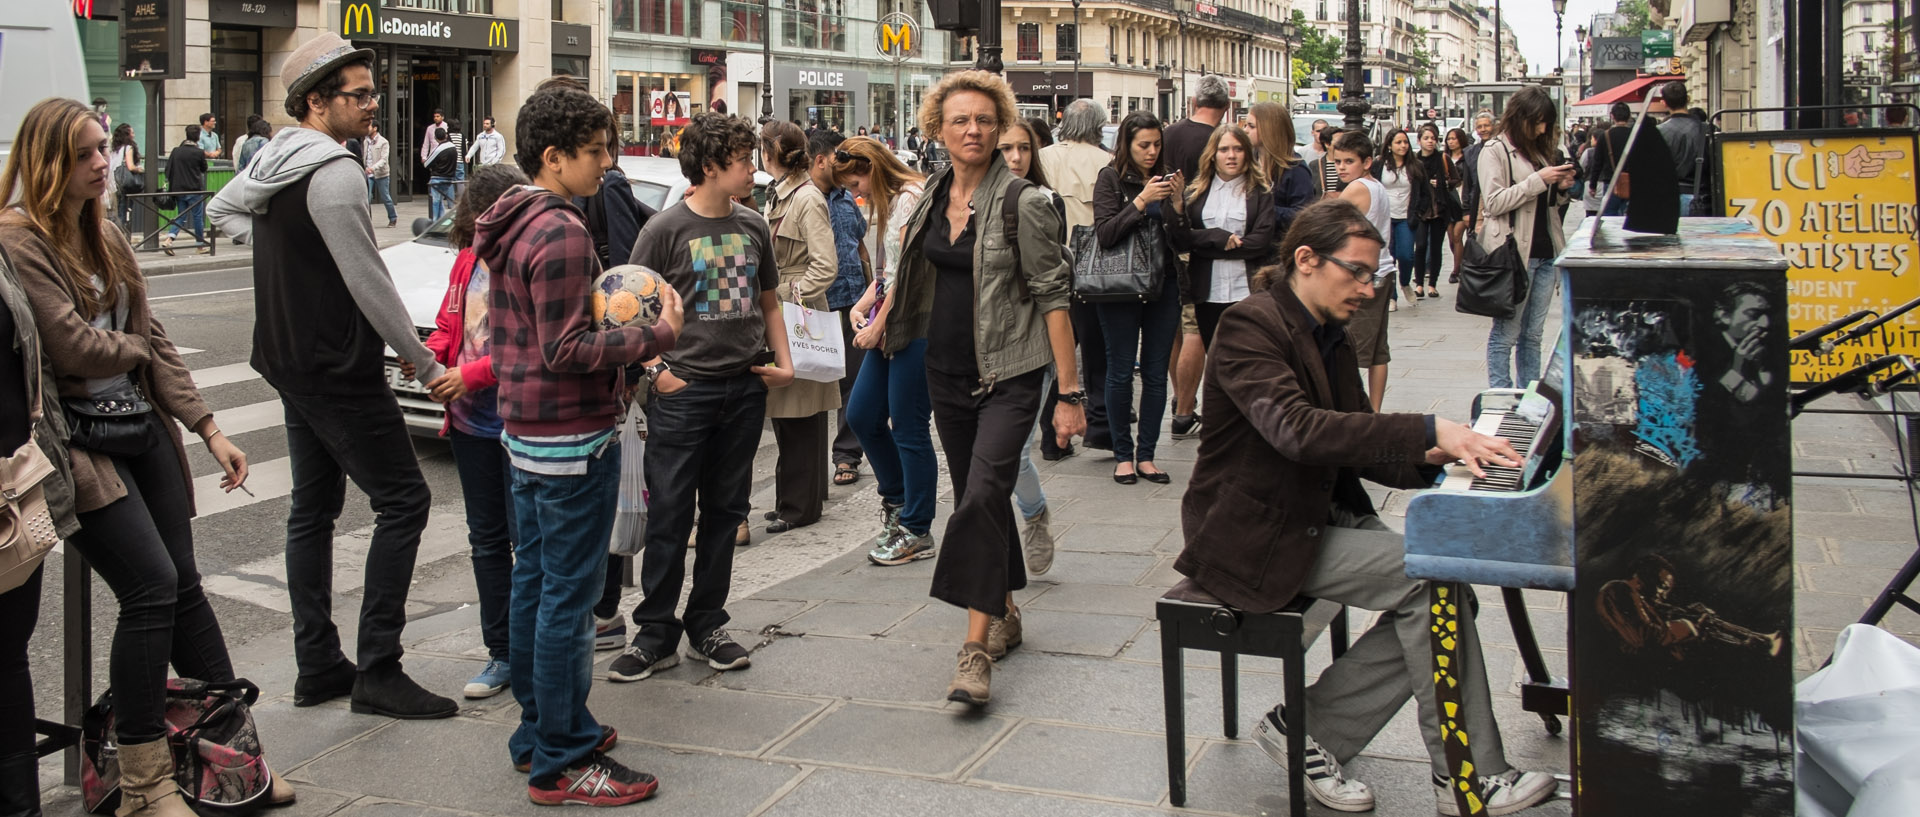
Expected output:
{"points": [[1284, 439], [79, 351]]}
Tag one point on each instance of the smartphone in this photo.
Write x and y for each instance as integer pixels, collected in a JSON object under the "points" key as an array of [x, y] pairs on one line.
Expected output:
{"points": [[765, 358]]}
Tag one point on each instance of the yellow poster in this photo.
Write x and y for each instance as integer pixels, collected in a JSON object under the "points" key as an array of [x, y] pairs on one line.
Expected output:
{"points": [[1842, 211]]}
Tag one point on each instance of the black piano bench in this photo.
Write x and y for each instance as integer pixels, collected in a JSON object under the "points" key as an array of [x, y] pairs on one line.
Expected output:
{"points": [[1192, 619]]}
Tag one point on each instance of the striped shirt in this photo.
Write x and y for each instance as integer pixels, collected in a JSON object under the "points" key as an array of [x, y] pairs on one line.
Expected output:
{"points": [[560, 455]]}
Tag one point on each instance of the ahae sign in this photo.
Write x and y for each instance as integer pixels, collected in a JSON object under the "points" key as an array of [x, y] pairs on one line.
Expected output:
{"points": [[153, 40]]}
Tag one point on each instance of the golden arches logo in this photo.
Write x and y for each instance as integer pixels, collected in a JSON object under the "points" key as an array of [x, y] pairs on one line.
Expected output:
{"points": [[497, 34], [358, 18]]}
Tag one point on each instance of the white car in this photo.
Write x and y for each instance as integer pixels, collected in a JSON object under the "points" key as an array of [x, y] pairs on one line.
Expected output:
{"points": [[422, 267]]}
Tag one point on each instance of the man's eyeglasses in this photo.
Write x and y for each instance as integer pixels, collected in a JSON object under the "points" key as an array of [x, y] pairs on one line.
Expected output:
{"points": [[1360, 272], [363, 100]]}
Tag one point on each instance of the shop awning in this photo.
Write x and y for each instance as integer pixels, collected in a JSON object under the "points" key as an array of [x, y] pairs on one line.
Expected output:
{"points": [[1633, 90]]}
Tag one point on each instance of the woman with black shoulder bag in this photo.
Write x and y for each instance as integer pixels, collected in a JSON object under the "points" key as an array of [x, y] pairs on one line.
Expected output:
{"points": [[122, 386], [1521, 193], [1137, 197]]}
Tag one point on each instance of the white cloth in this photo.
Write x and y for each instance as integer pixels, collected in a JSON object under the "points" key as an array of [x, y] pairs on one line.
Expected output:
{"points": [[373, 154], [490, 147], [1226, 209], [1857, 725], [1377, 207], [1399, 188]]}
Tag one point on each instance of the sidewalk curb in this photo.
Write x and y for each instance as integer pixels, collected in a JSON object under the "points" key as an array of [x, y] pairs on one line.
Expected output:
{"points": [[208, 265]]}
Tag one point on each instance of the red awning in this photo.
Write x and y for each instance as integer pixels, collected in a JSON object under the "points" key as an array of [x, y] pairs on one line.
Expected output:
{"points": [[1633, 90]]}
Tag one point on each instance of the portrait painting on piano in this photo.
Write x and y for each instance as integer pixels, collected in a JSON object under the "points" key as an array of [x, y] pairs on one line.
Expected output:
{"points": [[1683, 543]]}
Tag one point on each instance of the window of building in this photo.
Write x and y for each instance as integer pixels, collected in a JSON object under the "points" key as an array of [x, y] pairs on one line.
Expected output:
{"points": [[1066, 41], [1130, 46], [1323, 10], [739, 22], [1027, 41], [1113, 108], [450, 6], [820, 24], [959, 49], [1113, 44], [678, 18]]}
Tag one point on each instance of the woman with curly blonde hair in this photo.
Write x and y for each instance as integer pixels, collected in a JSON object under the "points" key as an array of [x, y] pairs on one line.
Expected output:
{"points": [[989, 317]]}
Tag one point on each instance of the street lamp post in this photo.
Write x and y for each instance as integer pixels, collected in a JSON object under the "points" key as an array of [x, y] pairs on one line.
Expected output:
{"points": [[1353, 102], [1181, 8], [1580, 68], [1288, 31], [989, 40], [766, 61], [1559, 56], [1076, 49]]}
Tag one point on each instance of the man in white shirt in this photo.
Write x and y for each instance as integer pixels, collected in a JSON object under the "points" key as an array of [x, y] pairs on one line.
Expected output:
{"points": [[374, 152], [489, 145]]}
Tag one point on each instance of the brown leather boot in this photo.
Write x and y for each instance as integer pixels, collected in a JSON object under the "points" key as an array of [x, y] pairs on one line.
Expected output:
{"points": [[146, 782]]}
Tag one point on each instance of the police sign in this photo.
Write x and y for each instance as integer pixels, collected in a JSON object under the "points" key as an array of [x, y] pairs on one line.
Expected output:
{"points": [[897, 37], [366, 20]]}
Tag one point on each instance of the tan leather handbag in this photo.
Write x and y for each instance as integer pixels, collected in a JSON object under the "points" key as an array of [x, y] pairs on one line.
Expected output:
{"points": [[26, 525]]}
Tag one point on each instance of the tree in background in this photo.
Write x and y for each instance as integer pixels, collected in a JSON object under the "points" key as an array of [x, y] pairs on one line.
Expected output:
{"points": [[1632, 17], [1318, 54]]}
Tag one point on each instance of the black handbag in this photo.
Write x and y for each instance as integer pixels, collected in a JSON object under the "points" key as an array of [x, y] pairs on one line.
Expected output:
{"points": [[1132, 270], [1493, 283], [117, 428]]}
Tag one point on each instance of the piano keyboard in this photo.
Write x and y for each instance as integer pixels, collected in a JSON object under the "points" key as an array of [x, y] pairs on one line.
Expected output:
{"points": [[1518, 431]]}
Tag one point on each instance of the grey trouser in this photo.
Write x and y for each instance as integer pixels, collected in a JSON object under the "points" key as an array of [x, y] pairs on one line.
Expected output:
{"points": [[1362, 565]]}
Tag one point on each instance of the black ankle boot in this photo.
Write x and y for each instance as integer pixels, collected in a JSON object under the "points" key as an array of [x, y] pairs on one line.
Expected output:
{"points": [[324, 686], [20, 785], [386, 690]]}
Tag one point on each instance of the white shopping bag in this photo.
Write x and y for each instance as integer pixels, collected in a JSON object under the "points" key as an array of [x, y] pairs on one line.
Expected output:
{"points": [[630, 516], [819, 353]]}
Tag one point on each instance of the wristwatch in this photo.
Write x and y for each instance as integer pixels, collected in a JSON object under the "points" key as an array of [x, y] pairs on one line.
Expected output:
{"points": [[1073, 398], [653, 372]]}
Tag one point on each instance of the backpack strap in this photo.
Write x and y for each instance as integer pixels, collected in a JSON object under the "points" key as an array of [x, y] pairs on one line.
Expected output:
{"points": [[1010, 222]]}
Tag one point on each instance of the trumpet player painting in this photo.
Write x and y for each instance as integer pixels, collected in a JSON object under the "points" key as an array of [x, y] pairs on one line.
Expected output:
{"points": [[1682, 613]]}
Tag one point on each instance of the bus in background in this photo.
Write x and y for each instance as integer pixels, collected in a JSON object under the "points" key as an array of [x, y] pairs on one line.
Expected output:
{"points": [[39, 57]]}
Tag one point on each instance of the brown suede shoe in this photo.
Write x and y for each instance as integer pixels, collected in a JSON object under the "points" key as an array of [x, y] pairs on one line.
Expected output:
{"points": [[971, 678], [1003, 633]]}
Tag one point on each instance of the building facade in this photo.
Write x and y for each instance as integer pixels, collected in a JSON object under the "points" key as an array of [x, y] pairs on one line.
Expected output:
{"points": [[1453, 31], [469, 59]]}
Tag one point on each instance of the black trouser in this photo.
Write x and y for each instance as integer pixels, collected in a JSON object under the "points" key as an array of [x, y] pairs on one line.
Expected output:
{"points": [[1093, 379], [1429, 239], [142, 547], [979, 561], [329, 439], [800, 473], [846, 446], [19, 611], [1208, 316]]}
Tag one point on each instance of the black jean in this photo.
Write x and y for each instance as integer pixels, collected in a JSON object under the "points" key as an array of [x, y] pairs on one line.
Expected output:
{"points": [[331, 438], [846, 446], [19, 611], [980, 562], [800, 472], [1208, 316], [700, 445], [1093, 380], [142, 547], [482, 463], [1429, 239]]}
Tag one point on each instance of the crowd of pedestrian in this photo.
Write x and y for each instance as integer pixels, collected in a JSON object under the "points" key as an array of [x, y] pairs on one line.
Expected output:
{"points": [[958, 309]]}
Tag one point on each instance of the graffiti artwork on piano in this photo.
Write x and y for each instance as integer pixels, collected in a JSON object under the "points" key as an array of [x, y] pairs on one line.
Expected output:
{"points": [[1684, 545]]}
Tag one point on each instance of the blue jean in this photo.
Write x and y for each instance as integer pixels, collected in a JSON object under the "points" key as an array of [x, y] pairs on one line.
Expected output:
{"points": [[700, 446], [1686, 203], [440, 188], [890, 412], [563, 523], [381, 190], [1613, 206], [1027, 495], [1400, 244], [482, 463], [192, 208], [1144, 330], [1513, 349]]}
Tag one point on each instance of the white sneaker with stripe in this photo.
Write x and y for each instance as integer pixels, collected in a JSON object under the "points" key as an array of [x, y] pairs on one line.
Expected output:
{"points": [[1326, 781], [1505, 793]]}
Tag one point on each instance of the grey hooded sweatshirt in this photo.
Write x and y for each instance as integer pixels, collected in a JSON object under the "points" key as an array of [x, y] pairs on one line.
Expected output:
{"points": [[301, 342]]}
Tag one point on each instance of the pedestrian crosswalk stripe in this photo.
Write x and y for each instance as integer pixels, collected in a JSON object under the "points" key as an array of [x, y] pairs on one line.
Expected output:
{"points": [[223, 375], [270, 479], [239, 420], [187, 350]]}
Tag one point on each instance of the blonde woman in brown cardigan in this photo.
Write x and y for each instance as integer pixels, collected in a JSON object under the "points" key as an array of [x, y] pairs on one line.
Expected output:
{"points": [[135, 509]]}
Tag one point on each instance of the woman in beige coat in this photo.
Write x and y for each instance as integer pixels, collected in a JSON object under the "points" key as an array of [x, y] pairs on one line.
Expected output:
{"points": [[1523, 190], [803, 249]]}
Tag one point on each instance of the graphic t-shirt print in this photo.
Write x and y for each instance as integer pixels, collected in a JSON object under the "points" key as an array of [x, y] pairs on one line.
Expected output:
{"points": [[723, 269]]}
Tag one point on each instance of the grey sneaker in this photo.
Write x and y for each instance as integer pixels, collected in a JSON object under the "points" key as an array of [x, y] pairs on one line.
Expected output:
{"points": [[972, 678], [1003, 634], [1326, 781], [1037, 543], [1505, 793], [902, 547], [890, 514]]}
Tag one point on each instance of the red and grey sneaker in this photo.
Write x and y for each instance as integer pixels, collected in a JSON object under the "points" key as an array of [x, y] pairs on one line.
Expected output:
{"points": [[597, 780], [608, 737]]}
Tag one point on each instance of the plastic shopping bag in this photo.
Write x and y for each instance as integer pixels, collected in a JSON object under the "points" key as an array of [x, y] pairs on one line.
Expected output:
{"points": [[630, 516], [819, 353]]}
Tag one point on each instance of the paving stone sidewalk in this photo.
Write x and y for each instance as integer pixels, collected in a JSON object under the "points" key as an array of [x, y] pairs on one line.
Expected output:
{"points": [[842, 712]]}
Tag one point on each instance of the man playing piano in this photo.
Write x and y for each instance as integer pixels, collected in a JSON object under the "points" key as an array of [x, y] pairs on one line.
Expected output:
{"points": [[1276, 509]]}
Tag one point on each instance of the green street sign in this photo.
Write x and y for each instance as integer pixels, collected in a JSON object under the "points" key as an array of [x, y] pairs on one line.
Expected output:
{"points": [[1656, 43]]}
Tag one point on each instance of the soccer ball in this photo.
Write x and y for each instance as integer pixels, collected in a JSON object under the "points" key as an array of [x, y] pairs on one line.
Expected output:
{"points": [[627, 295]]}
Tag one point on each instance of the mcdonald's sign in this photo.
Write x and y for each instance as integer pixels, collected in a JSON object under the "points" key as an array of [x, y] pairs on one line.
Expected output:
{"points": [[497, 34], [360, 18], [897, 36]]}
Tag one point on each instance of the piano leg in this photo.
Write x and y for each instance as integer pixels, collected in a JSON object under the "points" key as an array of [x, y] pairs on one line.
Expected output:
{"points": [[1230, 693], [1537, 674]]}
